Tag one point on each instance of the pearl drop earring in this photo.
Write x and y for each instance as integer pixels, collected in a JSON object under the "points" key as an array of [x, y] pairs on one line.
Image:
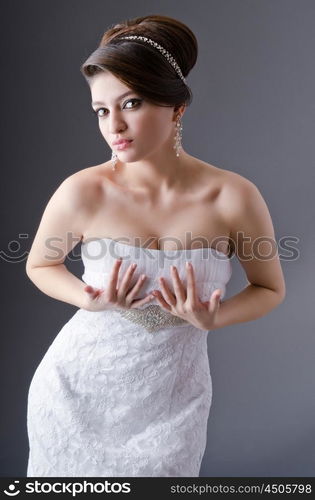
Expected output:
{"points": [[114, 160], [178, 135]]}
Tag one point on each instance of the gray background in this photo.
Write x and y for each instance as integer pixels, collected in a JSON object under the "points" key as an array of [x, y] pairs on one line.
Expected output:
{"points": [[253, 113]]}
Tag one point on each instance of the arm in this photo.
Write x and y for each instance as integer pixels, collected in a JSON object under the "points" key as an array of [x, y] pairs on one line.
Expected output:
{"points": [[253, 238], [60, 229], [59, 283]]}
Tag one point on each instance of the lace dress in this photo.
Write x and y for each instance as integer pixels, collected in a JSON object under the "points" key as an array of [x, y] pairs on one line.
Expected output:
{"points": [[126, 392]]}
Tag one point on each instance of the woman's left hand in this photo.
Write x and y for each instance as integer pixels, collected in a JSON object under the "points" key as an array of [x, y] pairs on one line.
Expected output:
{"points": [[185, 303]]}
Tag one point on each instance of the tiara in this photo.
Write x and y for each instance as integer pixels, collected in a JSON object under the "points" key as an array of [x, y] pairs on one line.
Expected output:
{"points": [[165, 53]]}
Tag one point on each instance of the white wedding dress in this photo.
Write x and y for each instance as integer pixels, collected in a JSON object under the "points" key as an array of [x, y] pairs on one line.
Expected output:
{"points": [[126, 392]]}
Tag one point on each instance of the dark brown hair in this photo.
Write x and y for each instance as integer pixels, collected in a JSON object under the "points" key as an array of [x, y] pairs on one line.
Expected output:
{"points": [[142, 67]]}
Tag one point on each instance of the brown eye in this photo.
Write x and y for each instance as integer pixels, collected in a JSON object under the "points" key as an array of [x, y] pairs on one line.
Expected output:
{"points": [[136, 101], [97, 110]]}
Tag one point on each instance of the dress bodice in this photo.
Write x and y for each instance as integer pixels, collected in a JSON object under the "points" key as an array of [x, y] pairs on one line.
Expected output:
{"points": [[212, 268]]}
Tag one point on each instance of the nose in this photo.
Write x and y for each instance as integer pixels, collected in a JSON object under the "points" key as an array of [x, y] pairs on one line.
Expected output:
{"points": [[115, 124]]}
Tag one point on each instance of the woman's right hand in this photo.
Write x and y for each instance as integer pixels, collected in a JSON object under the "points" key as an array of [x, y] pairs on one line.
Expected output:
{"points": [[100, 299]]}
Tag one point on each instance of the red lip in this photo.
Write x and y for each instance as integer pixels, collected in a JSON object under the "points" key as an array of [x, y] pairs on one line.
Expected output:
{"points": [[121, 141]]}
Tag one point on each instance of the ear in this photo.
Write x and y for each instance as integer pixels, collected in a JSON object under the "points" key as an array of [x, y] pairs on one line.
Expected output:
{"points": [[179, 110]]}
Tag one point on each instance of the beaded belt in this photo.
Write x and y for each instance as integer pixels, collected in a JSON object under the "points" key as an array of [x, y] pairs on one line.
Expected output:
{"points": [[152, 317]]}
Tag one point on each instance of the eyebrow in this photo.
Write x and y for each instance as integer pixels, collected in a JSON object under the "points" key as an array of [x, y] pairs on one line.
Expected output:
{"points": [[118, 98]]}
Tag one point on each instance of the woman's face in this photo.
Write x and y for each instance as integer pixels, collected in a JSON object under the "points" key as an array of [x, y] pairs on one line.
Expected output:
{"points": [[150, 127]]}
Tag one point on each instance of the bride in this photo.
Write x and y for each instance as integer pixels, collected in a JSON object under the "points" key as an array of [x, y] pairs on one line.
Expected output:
{"points": [[153, 202]]}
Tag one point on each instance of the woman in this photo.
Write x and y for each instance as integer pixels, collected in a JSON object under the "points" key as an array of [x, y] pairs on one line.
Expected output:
{"points": [[125, 387]]}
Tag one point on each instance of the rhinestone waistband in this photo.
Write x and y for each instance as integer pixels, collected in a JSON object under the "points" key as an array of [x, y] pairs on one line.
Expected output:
{"points": [[152, 317]]}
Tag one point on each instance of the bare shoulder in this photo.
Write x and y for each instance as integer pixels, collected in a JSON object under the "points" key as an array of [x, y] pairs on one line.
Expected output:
{"points": [[243, 205], [252, 235], [233, 188], [83, 188], [237, 192], [64, 219]]}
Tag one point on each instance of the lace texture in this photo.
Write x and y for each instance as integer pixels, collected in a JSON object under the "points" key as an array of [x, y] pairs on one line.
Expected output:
{"points": [[110, 399]]}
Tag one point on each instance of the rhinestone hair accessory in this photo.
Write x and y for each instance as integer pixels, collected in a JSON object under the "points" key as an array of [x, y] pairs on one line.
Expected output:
{"points": [[163, 51]]}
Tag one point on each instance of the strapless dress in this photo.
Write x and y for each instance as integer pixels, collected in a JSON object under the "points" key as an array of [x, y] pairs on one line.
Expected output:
{"points": [[126, 393]]}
